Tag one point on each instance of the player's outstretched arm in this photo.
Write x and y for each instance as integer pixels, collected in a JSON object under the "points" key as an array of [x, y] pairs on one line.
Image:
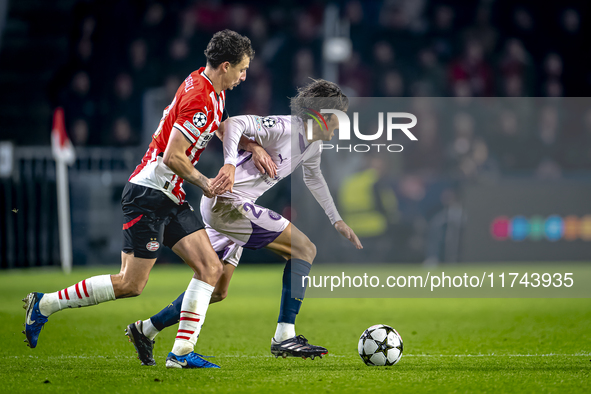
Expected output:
{"points": [[316, 183], [176, 159], [348, 233]]}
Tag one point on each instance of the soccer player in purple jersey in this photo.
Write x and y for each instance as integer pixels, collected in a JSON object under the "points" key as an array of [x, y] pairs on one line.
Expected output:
{"points": [[233, 220]]}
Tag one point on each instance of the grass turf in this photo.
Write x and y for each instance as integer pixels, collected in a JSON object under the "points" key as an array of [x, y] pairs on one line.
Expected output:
{"points": [[450, 345]]}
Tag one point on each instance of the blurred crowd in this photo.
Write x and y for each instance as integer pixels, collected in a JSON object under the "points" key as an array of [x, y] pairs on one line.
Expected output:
{"points": [[400, 48]]}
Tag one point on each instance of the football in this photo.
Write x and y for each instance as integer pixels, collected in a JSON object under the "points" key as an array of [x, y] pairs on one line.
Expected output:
{"points": [[380, 345]]}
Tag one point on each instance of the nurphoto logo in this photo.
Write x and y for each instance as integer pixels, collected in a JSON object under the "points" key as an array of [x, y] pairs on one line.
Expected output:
{"points": [[344, 130]]}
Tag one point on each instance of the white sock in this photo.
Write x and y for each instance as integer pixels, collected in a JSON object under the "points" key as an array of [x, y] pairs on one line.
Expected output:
{"points": [[193, 311], [284, 331], [90, 291], [149, 330]]}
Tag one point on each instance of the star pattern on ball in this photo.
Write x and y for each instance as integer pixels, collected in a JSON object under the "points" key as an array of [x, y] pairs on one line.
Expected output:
{"points": [[268, 122], [199, 119], [383, 347], [388, 329]]}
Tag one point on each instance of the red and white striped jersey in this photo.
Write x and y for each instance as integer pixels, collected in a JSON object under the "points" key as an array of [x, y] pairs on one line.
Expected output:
{"points": [[196, 111]]}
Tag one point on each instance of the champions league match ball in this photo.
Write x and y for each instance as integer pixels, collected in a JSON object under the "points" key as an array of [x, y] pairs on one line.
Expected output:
{"points": [[380, 345]]}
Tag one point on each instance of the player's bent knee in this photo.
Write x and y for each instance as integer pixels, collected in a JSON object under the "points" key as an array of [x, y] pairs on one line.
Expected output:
{"points": [[216, 269], [306, 251], [209, 271], [311, 251]]}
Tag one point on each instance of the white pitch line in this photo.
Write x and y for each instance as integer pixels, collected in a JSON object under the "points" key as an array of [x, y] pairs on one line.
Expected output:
{"points": [[488, 355], [499, 355], [66, 357]]}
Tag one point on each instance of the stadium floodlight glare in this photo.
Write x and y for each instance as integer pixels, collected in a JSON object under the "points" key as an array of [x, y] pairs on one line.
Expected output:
{"points": [[337, 49], [6, 158]]}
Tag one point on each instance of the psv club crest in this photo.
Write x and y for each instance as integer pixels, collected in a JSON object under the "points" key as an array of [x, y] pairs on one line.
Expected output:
{"points": [[153, 246]]}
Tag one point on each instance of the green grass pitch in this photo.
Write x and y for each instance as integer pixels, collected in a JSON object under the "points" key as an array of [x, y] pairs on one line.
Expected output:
{"points": [[450, 345]]}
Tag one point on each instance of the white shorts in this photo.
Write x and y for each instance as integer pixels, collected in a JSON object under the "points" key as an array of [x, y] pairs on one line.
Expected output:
{"points": [[241, 223], [226, 249]]}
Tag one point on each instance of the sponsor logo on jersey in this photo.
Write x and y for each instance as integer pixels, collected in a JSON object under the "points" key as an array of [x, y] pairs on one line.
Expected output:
{"points": [[269, 122], [274, 215], [153, 246], [199, 119], [192, 128], [257, 122]]}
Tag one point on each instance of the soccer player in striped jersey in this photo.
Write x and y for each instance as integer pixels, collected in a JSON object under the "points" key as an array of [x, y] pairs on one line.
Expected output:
{"points": [[155, 209], [233, 220]]}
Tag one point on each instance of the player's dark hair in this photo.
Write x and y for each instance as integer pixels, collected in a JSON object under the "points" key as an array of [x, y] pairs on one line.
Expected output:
{"points": [[228, 46], [320, 94]]}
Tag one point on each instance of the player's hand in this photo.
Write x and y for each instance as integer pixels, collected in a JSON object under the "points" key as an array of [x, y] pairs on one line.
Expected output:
{"points": [[348, 233], [224, 181], [206, 186], [262, 161]]}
